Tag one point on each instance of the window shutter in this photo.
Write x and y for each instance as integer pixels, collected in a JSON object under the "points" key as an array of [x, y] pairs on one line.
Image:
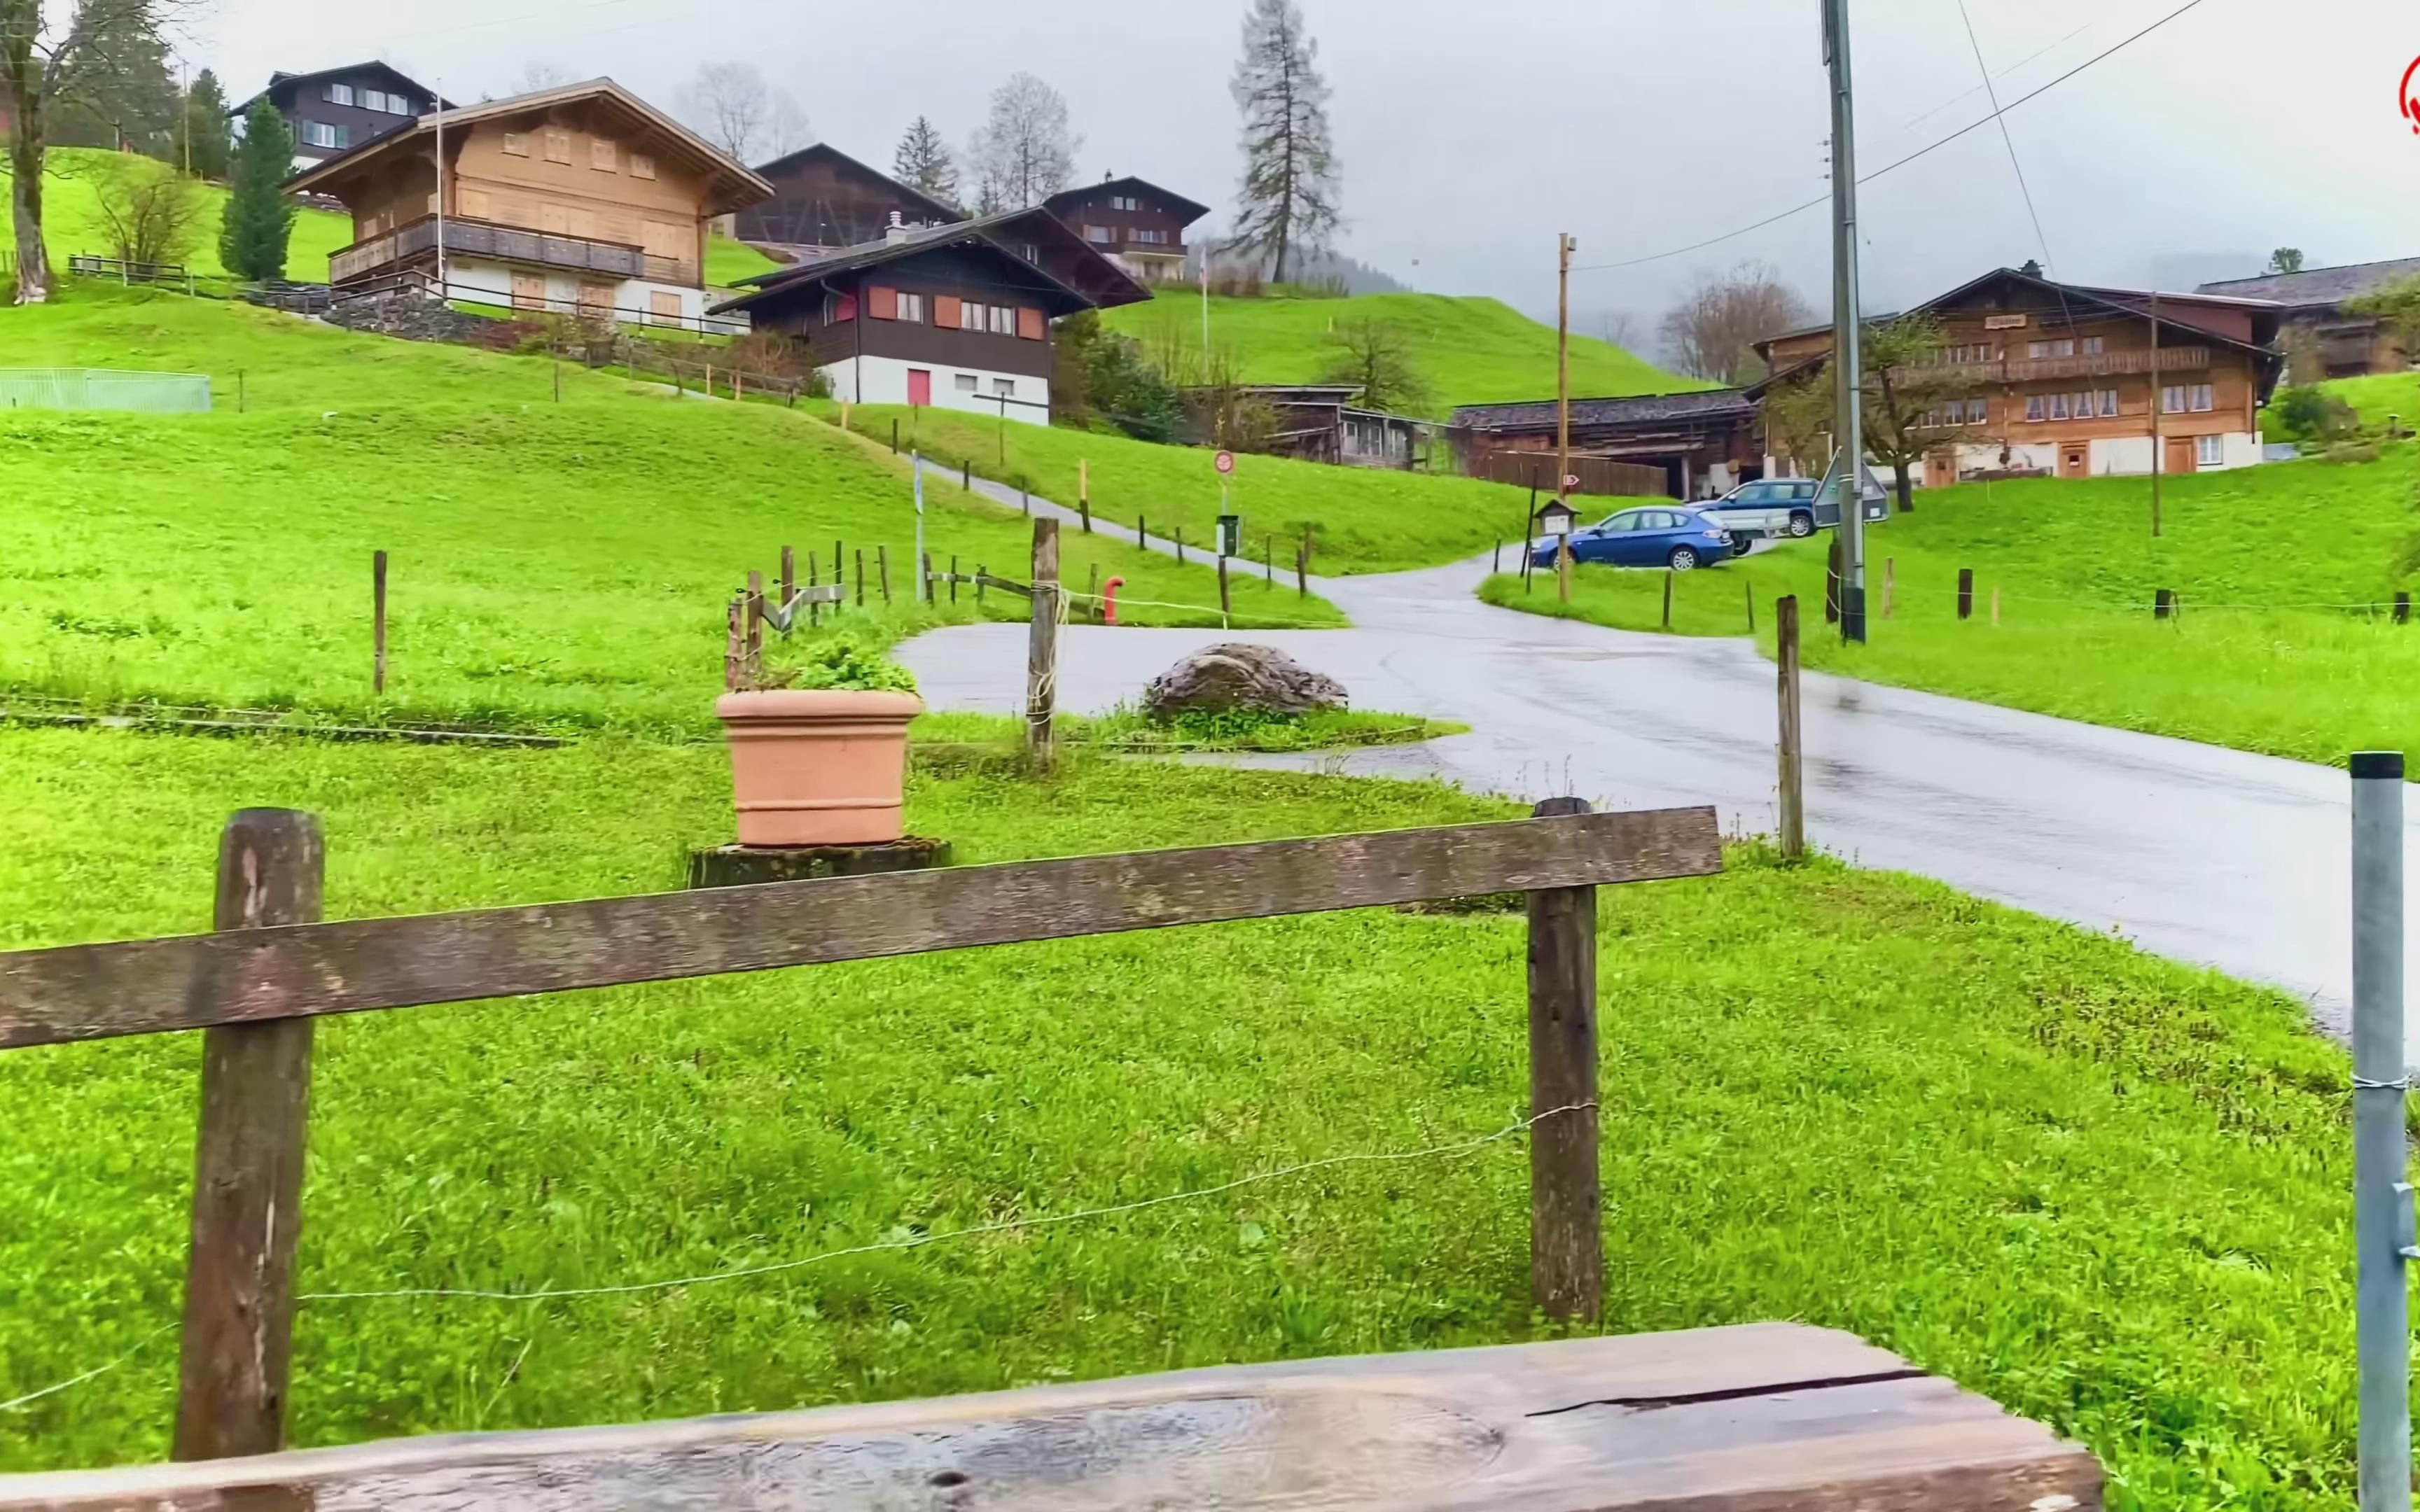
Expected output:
{"points": [[844, 307], [947, 311], [1030, 325], [881, 303]]}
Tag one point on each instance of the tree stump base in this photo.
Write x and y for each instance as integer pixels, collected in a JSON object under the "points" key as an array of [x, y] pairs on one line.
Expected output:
{"points": [[742, 866]]}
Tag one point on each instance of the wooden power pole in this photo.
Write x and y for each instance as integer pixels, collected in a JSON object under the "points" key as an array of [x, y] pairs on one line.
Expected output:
{"points": [[1563, 406]]}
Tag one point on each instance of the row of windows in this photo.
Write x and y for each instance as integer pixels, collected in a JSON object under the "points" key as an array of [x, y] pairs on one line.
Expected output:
{"points": [[2182, 398], [945, 312], [2063, 347], [345, 94], [2070, 405], [1106, 235], [321, 135], [602, 155], [1004, 388]]}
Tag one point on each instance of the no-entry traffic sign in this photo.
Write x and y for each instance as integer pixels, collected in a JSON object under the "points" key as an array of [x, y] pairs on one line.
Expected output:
{"points": [[1225, 462]]}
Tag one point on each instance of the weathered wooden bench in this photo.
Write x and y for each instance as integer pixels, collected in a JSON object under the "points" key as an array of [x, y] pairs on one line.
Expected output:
{"points": [[1750, 1419]]}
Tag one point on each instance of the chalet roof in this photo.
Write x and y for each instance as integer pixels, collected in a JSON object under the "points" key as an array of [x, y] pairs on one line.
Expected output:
{"points": [[1192, 211], [733, 185], [993, 234], [280, 78], [2125, 300], [2316, 285], [826, 152], [1534, 414]]}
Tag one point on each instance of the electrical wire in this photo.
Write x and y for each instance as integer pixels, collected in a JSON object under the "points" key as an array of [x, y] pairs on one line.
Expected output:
{"points": [[1895, 163]]}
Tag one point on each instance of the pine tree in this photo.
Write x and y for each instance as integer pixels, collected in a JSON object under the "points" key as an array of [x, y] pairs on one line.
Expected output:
{"points": [[203, 146], [259, 217], [1288, 203], [923, 163]]}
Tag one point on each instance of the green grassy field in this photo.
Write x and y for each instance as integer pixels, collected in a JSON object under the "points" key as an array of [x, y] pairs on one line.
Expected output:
{"points": [[2284, 572], [552, 565], [2103, 1189], [1360, 520], [1470, 351]]}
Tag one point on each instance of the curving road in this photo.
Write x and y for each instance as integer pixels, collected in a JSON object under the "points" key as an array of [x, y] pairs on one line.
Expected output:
{"points": [[2202, 853]]}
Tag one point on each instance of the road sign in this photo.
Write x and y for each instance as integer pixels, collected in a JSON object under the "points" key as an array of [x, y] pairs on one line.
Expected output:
{"points": [[1570, 481], [1225, 463], [1230, 535]]}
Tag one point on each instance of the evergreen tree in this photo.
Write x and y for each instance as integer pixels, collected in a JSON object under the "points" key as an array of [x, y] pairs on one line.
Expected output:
{"points": [[923, 163], [203, 144], [259, 217], [1288, 204]]}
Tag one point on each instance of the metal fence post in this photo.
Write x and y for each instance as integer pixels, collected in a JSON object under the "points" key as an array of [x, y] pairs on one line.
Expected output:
{"points": [[2382, 1223]]}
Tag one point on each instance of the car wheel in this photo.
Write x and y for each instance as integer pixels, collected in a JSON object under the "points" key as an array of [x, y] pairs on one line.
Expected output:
{"points": [[1802, 526], [1684, 559]]}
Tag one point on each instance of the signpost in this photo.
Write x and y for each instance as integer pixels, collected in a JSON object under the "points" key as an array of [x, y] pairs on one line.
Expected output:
{"points": [[1555, 522], [1231, 527]]}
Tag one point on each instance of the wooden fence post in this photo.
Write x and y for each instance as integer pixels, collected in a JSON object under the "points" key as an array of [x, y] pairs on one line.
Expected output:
{"points": [[1270, 558], [1794, 796], [1750, 589], [1226, 604], [1093, 592], [2164, 602], [814, 579], [1566, 1223], [238, 1321], [1084, 492], [2403, 608], [1966, 593], [1891, 583], [378, 622], [1302, 572], [953, 577], [1178, 537], [1042, 643], [1668, 576], [861, 576], [1139, 543], [1996, 604]]}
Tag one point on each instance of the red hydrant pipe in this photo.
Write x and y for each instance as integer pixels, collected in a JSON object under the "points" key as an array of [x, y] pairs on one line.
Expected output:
{"points": [[1110, 600]]}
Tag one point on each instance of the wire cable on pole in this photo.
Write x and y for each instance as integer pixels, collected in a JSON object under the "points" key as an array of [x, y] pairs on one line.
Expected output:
{"points": [[1902, 162]]}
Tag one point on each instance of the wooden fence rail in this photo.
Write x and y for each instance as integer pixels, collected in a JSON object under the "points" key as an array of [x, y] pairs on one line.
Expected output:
{"points": [[256, 986]]}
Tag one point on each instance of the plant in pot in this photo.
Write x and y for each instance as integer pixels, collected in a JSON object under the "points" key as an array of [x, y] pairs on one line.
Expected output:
{"points": [[820, 747]]}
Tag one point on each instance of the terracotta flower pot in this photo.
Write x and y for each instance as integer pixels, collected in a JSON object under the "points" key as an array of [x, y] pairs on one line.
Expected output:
{"points": [[818, 766]]}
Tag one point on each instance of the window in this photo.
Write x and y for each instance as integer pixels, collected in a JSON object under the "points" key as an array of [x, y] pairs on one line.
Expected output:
{"points": [[2108, 402], [1100, 235], [2064, 346], [2200, 396], [2208, 452], [970, 316], [2172, 398], [965, 383], [321, 135], [340, 94], [373, 100], [2059, 407], [558, 147], [1123, 202], [642, 165], [1003, 320], [2033, 407], [663, 307], [1006, 388], [911, 306], [2178, 397], [2092, 346], [1978, 411], [517, 143], [1155, 237], [600, 156]]}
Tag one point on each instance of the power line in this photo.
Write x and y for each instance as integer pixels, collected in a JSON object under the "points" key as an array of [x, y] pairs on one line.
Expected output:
{"points": [[2008, 141], [1900, 162]]}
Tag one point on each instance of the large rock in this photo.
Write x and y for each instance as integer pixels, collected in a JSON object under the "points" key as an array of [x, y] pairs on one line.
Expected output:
{"points": [[1240, 676]]}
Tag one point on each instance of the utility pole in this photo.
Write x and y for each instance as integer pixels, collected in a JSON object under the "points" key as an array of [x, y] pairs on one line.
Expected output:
{"points": [[1563, 406], [2158, 459], [439, 103], [1847, 369]]}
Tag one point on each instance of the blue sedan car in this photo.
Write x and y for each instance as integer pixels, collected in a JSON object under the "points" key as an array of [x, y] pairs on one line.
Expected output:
{"points": [[1681, 539]]}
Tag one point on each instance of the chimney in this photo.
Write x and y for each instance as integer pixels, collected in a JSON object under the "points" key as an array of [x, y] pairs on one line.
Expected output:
{"points": [[896, 232]]}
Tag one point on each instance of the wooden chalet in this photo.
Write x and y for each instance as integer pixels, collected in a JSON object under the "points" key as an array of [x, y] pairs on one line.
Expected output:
{"points": [[1693, 445], [823, 200], [957, 316], [1320, 422], [2311, 313], [1132, 222]]}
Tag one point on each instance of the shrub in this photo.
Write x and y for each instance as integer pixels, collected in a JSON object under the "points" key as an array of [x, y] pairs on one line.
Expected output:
{"points": [[839, 663], [2303, 412]]}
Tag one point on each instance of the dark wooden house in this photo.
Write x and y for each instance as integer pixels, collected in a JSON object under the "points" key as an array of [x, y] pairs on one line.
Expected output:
{"points": [[957, 316], [1133, 223], [337, 109], [1699, 443], [1320, 422], [825, 200], [2321, 338]]}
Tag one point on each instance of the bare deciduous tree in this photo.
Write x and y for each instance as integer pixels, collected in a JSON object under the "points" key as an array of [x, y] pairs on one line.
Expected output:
{"points": [[44, 65], [1375, 356], [1023, 153], [153, 214], [538, 75], [732, 107], [1288, 203], [1711, 333]]}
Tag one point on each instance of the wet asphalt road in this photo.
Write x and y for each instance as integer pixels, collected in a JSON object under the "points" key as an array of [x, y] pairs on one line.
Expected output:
{"points": [[2202, 853]]}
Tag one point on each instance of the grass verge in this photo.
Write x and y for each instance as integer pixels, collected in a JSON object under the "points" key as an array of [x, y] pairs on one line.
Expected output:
{"points": [[2104, 1189]]}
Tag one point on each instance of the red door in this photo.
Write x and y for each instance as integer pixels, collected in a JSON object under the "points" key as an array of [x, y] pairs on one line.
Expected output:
{"points": [[919, 386]]}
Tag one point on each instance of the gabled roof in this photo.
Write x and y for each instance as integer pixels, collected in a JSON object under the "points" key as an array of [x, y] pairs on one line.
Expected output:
{"points": [[2317, 286], [1532, 414], [1099, 285], [732, 185], [2123, 302], [826, 152], [1192, 211], [281, 77]]}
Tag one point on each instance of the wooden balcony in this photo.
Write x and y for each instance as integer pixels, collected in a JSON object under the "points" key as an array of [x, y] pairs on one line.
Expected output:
{"points": [[416, 239], [2099, 364]]}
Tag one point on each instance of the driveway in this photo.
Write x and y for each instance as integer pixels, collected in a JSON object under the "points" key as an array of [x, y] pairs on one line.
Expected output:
{"points": [[2198, 852]]}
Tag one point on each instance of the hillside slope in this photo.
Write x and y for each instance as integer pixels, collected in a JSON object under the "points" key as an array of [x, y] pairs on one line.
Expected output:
{"points": [[1470, 351]]}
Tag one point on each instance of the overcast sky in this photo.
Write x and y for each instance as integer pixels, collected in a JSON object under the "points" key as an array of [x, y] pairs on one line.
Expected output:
{"points": [[1469, 134]]}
